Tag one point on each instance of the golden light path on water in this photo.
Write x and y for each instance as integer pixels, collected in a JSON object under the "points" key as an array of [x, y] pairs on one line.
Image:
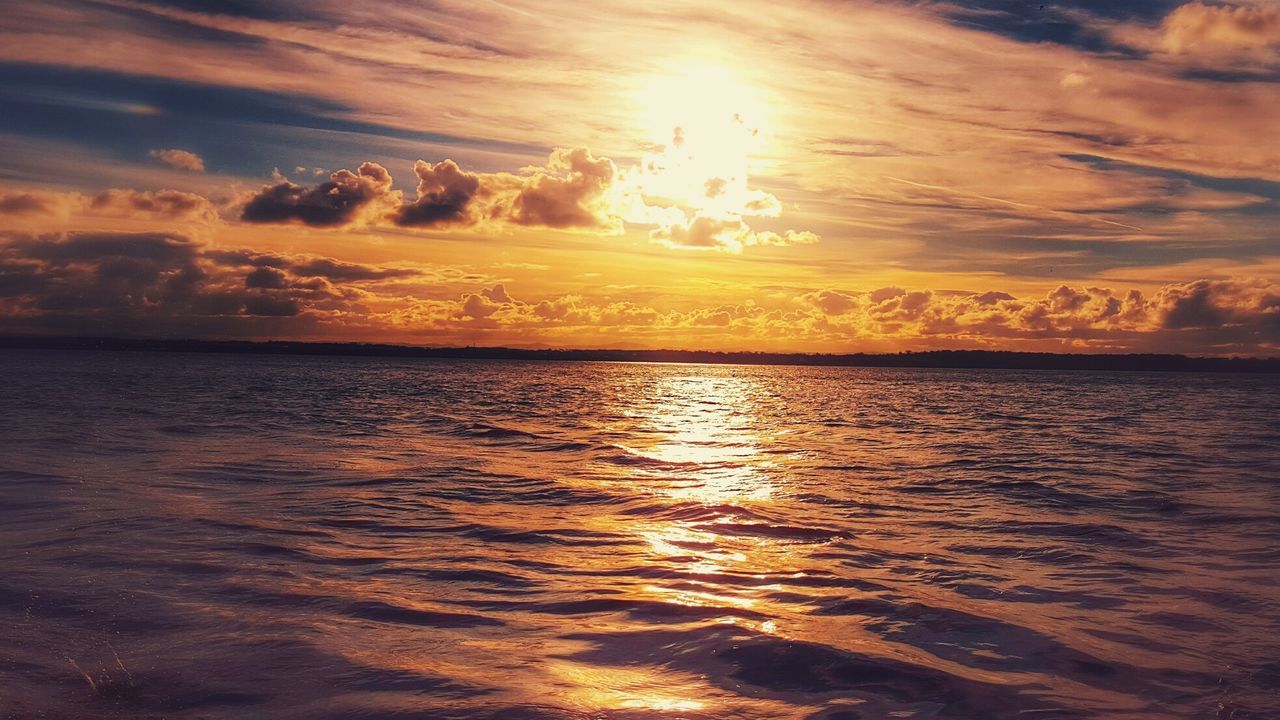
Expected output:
{"points": [[698, 447], [704, 434]]}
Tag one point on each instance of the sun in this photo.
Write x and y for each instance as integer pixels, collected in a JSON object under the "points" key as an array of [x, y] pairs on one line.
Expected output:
{"points": [[709, 124], [703, 101]]}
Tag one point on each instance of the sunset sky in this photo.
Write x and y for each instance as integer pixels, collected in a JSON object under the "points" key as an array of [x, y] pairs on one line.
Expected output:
{"points": [[811, 176]]}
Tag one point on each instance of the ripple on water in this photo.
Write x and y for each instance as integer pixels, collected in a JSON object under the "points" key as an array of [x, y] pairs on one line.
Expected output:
{"points": [[400, 539]]}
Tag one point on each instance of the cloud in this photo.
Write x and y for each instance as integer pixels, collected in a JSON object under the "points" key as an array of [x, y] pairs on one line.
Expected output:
{"points": [[992, 297], [1212, 304], [158, 205], [265, 277], [135, 283], [310, 266], [181, 159], [85, 247], [339, 271], [92, 272], [705, 232], [728, 233], [347, 199], [570, 192], [478, 306], [24, 203], [1242, 312], [271, 306], [1241, 316], [498, 293], [566, 193], [1221, 41], [832, 302], [166, 283], [1200, 27], [444, 194], [574, 190]]}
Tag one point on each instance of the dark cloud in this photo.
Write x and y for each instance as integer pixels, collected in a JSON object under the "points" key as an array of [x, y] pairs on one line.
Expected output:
{"points": [[444, 194], [20, 278], [266, 277], [159, 248], [271, 306], [327, 268], [349, 272], [1193, 308], [100, 272], [347, 198], [248, 257], [1209, 304], [138, 282], [570, 191], [23, 203]]}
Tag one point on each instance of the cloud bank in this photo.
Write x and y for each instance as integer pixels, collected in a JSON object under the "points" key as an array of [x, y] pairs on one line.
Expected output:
{"points": [[160, 205], [166, 283], [573, 190]]}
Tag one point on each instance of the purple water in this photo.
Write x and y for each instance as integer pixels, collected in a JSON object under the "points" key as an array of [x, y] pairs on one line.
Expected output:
{"points": [[202, 536]]}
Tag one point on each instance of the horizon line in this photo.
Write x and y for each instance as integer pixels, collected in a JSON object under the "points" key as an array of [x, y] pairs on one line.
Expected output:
{"points": [[964, 358]]}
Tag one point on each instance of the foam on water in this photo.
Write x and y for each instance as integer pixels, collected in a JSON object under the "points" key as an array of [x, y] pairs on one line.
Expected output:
{"points": [[198, 536]]}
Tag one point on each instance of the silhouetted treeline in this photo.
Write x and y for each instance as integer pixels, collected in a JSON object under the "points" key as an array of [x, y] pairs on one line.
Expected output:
{"points": [[998, 359]]}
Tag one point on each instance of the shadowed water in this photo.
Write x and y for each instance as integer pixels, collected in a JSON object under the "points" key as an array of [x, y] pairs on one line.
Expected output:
{"points": [[198, 536]]}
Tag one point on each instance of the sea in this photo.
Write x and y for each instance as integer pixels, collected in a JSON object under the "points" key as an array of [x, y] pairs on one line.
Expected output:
{"points": [[241, 536]]}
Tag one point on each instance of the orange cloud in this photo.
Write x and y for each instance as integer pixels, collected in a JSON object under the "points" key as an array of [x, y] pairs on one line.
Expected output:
{"points": [[572, 191], [39, 204], [1197, 26], [728, 232], [181, 159], [141, 283], [159, 205]]}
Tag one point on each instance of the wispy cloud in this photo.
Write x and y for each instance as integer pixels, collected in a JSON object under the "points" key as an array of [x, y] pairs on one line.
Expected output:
{"points": [[1006, 147]]}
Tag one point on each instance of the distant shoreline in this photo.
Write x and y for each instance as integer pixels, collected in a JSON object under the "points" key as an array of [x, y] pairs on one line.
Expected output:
{"points": [[975, 359]]}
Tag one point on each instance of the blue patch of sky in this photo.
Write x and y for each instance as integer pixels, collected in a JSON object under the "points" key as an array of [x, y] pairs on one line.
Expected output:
{"points": [[1059, 22], [274, 10], [124, 116], [1247, 185]]}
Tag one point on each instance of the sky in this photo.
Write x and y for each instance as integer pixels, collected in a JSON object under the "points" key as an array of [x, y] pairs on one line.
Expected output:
{"points": [[814, 176]]}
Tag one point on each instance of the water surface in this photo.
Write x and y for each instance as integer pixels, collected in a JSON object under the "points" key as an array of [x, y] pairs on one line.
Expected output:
{"points": [[203, 536]]}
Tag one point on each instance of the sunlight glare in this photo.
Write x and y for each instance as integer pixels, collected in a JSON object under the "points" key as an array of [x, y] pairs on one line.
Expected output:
{"points": [[709, 124]]}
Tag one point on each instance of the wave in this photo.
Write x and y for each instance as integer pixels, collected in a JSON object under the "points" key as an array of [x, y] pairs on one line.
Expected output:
{"points": [[395, 539]]}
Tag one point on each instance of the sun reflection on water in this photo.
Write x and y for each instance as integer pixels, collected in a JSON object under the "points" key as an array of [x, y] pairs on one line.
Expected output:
{"points": [[703, 434], [701, 445], [601, 688]]}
